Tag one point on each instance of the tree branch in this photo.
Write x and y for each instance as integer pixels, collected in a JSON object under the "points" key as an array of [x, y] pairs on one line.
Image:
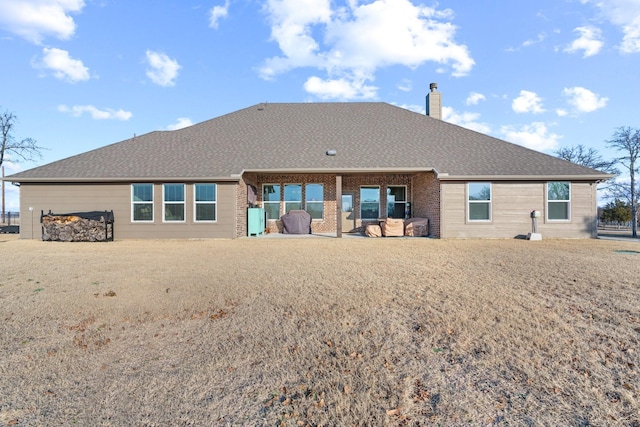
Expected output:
{"points": [[25, 149]]}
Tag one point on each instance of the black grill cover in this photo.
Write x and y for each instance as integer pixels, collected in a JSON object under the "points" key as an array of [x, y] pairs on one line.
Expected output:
{"points": [[296, 222]]}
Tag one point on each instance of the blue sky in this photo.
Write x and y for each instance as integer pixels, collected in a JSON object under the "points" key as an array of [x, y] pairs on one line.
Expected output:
{"points": [[546, 74]]}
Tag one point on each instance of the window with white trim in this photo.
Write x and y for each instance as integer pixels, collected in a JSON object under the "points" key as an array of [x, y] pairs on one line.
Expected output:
{"points": [[142, 202], [314, 200], [271, 200], [292, 197], [370, 202], [396, 201], [479, 201], [558, 201], [205, 202], [173, 202]]}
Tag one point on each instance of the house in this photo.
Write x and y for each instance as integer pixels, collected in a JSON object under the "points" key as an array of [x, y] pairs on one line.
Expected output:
{"points": [[347, 164]]}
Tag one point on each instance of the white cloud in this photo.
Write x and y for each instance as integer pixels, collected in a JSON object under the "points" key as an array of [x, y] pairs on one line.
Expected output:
{"points": [[36, 19], [420, 109], [63, 66], [530, 42], [631, 41], [163, 70], [351, 42], [12, 192], [339, 88], [405, 85], [474, 98], [449, 115], [9, 166], [541, 37], [182, 122], [561, 112], [96, 114], [465, 119], [590, 41], [535, 136], [527, 102], [583, 100], [626, 15], [217, 13], [291, 26]]}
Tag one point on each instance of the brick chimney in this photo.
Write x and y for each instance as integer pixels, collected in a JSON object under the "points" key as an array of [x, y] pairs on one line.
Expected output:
{"points": [[434, 102]]}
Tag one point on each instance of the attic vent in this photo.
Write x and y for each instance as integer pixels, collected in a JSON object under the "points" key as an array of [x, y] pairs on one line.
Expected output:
{"points": [[331, 152]]}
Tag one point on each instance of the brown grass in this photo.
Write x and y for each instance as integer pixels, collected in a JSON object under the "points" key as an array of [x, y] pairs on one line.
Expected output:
{"points": [[298, 332]]}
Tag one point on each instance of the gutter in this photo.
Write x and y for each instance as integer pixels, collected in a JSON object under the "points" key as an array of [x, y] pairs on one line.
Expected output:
{"points": [[442, 176], [54, 180], [338, 170], [591, 177]]}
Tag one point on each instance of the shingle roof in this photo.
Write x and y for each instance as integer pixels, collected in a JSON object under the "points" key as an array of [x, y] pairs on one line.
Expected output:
{"points": [[296, 136]]}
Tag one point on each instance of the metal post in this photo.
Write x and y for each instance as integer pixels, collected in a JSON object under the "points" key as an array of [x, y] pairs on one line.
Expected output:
{"points": [[2, 194], [339, 206], [31, 210]]}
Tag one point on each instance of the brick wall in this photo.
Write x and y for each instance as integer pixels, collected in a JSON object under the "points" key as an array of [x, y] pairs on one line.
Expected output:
{"points": [[328, 223], [426, 200], [351, 183], [242, 204]]}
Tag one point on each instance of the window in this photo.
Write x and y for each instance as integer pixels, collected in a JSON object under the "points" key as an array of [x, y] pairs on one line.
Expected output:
{"points": [[142, 202], [558, 201], [369, 202], [271, 200], [479, 194], [396, 201], [205, 202], [173, 201], [314, 200], [292, 197]]}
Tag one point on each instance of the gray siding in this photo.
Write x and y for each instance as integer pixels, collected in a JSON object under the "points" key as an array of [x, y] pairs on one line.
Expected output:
{"points": [[512, 203], [64, 198]]}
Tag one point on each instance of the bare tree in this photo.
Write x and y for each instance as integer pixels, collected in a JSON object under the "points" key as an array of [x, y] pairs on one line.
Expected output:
{"points": [[589, 157], [627, 140], [25, 149]]}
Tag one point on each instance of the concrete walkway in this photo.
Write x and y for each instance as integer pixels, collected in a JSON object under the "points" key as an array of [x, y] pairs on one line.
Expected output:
{"points": [[613, 234], [608, 234], [308, 236]]}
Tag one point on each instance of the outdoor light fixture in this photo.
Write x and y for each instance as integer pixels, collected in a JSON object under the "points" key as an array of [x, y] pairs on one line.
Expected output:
{"points": [[331, 152]]}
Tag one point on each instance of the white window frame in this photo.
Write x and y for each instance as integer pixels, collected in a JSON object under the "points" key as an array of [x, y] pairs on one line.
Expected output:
{"points": [[361, 202], [284, 196], [403, 202], [196, 202], [145, 202], [272, 202], [314, 202], [183, 203], [549, 201], [488, 202]]}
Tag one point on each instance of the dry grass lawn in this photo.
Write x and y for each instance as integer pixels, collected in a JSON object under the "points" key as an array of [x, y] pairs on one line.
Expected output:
{"points": [[320, 332]]}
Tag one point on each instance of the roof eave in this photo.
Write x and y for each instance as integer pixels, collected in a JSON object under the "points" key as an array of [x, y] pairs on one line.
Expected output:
{"points": [[65, 180], [237, 177], [590, 177], [342, 170]]}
